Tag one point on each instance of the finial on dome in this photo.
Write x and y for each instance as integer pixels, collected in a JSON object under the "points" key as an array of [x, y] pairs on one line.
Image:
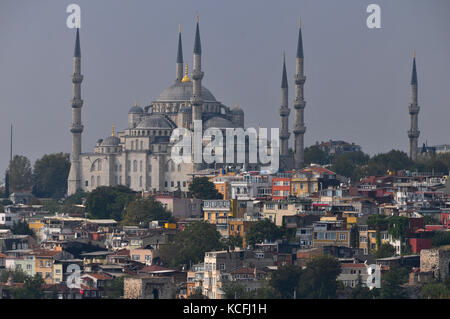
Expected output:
{"points": [[179, 28], [197, 17], [186, 76], [236, 106], [112, 134], [414, 53]]}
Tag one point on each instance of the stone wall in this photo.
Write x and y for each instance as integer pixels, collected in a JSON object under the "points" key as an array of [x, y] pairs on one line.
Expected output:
{"points": [[149, 288], [436, 260]]}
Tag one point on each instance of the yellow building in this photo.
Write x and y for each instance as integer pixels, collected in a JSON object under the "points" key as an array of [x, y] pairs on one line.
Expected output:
{"points": [[44, 264], [327, 233], [302, 185], [239, 227], [214, 211]]}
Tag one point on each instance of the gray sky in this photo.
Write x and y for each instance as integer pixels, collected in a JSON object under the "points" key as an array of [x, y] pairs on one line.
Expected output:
{"points": [[357, 86]]}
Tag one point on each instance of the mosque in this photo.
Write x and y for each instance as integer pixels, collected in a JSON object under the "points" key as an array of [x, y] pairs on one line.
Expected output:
{"points": [[139, 156]]}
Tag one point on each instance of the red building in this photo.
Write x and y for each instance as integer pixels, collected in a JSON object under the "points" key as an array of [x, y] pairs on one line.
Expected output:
{"points": [[417, 244], [281, 188]]}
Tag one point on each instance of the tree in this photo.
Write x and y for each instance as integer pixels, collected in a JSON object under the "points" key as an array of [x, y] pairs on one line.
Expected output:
{"points": [[22, 228], [285, 281], [189, 246], [202, 188], [109, 201], [440, 239], [263, 230], [32, 289], [435, 290], [360, 291], [145, 210], [235, 290], [391, 283], [318, 280], [197, 294], [20, 175], [18, 275], [314, 154], [232, 242], [346, 164], [114, 288], [354, 237], [385, 250], [7, 184], [397, 227], [50, 175]]}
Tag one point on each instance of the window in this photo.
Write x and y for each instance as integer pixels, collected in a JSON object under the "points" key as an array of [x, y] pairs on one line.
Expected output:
{"points": [[132, 144], [136, 257], [140, 166], [134, 166], [98, 181], [140, 181], [99, 165], [222, 266], [92, 180], [142, 145]]}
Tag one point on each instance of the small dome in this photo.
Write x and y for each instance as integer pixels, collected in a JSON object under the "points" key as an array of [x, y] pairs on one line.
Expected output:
{"points": [[111, 141], [136, 109], [218, 122], [182, 91], [154, 121]]}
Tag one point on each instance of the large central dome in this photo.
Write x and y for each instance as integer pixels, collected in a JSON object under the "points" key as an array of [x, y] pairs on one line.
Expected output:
{"points": [[182, 91]]}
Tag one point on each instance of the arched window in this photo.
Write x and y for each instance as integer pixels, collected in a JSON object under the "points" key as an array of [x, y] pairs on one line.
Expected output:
{"points": [[92, 181], [128, 165], [137, 144], [120, 180], [99, 165], [134, 166]]}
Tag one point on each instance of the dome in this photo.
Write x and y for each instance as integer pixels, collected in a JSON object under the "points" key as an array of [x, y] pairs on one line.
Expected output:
{"points": [[218, 122], [111, 141], [182, 91], [154, 121], [136, 110]]}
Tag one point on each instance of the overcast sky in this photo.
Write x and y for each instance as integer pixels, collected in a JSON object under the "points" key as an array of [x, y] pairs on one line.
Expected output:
{"points": [[357, 86]]}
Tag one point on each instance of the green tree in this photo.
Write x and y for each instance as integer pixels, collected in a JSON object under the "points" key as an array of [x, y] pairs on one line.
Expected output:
{"points": [[232, 242], [189, 246], [7, 184], [397, 227], [435, 290], [314, 154], [235, 290], [318, 280], [202, 188], [145, 210], [18, 275], [360, 291], [440, 239], [346, 164], [20, 174], [263, 230], [385, 250], [391, 282], [392, 161], [114, 288], [22, 228], [50, 175], [285, 281], [354, 237], [197, 294], [32, 289], [109, 201]]}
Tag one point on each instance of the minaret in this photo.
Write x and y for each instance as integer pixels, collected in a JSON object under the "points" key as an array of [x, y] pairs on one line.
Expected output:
{"points": [[299, 104], [284, 113], [74, 180], [197, 76], [179, 57], [414, 108]]}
